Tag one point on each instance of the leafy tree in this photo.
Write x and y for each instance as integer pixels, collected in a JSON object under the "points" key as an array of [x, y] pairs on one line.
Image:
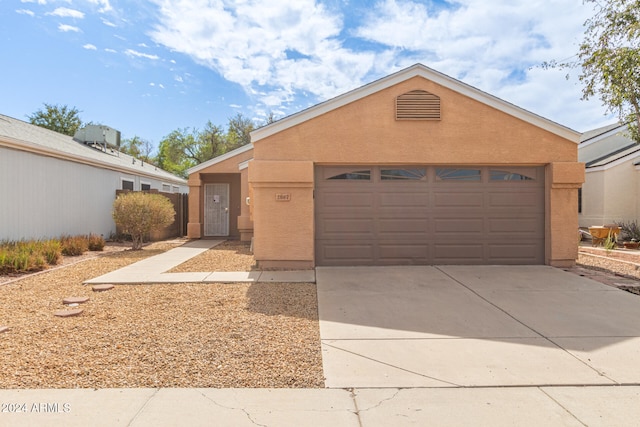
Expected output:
{"points": [[61, 119], [239, 130], [138, 148], [138, 214], [176, 151], [184, 148], [609, 58]]}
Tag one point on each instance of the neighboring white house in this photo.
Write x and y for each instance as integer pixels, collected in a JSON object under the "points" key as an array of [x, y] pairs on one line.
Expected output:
{"points": [[51, 184], [610, 191]]}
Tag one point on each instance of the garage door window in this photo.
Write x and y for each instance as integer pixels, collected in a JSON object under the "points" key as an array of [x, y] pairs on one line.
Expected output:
{"points": [[501, 175], [403, 174], [457, 174], [353, 176]]}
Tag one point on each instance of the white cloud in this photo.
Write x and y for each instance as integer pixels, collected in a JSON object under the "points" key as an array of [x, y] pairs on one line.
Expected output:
{"points": [[108, 23], [302, 52], [25, 12], [105, 5], [64, 12], [90, 46], [42, 2], [66, 28], [273, 52], [178, 79], [135, 53], [110, 50]]}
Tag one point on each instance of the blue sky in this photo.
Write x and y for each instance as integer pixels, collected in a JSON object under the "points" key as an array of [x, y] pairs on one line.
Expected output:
{"points": [[147, 68]]}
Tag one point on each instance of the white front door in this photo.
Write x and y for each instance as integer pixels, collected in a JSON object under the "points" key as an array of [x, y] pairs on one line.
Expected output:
{"points": [[216, 209]]}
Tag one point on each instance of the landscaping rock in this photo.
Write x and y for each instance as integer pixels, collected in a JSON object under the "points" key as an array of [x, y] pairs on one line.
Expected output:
{"points": [[68, 313], [101, 288], [75, 300], [3, 329]]}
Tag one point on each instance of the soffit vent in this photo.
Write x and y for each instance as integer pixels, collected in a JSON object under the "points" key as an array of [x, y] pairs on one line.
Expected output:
{"points": [[418, 105]]}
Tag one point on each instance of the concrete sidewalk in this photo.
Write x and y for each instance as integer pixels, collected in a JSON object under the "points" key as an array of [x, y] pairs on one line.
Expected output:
{"points": [[153, 270], [527, 406]]}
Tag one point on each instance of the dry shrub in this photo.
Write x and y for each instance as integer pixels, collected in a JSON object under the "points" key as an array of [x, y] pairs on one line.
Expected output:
{"points": [[74, 245], [138, 214], [95, 242]]}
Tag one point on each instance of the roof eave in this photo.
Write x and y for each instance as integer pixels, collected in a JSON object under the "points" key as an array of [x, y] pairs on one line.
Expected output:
{"points": [[220, 158]]}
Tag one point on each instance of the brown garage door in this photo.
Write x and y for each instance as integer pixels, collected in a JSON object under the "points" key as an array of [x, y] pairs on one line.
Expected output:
{"points": [[379, 215]]}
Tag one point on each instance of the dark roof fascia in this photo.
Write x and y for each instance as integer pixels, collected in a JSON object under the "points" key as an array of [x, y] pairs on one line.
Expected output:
{"points": [[612, 154]]}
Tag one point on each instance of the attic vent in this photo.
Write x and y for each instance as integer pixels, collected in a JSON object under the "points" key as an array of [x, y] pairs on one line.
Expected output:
{"points": [[418, 105]]}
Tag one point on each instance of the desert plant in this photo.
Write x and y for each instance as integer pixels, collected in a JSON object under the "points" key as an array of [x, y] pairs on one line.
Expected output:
{"points": [[138, 214], [95, 242], [24, 256], [630, 229], [52, 251], [610, 242], [74, 245]]}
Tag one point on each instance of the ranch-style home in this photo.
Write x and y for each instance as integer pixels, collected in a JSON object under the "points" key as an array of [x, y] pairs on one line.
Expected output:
{"points": [[53, 184], [414, 168]]}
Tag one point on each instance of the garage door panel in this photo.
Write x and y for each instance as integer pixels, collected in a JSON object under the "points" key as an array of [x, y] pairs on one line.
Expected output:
{"points": [[396, 253], [398, 200], [515, 200], [430, 221], [406, 226], [347, 226], [452, 253], [516, 226], [513, 252], [458, 200], [347, 200], [340, 253], [459, 225]]}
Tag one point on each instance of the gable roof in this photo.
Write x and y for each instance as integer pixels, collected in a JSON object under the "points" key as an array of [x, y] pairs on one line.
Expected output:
{"points": [[220, 158], [24, 136], [406, 74]]}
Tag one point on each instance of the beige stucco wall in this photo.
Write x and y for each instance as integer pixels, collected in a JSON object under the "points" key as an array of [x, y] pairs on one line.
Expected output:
{"points": [[366, 132], [610, 195]]}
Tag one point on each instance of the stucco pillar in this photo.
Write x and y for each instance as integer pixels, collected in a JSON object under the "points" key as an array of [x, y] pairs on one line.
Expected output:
{"points": [[563, 181], [245, 223], [282, 202], [194, 226]]}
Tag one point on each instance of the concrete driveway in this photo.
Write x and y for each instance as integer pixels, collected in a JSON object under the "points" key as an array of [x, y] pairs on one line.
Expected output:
{"points": [[473, 326]]}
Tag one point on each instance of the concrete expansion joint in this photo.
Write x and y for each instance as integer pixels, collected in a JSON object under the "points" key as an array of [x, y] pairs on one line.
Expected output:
{"points": [[564, 408]]}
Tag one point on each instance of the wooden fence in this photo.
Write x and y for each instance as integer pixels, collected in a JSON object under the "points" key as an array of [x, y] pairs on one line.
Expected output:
{"points": [[180, 205]]}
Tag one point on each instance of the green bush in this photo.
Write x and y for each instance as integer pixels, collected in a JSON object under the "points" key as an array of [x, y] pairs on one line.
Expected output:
{"points": [[95, 242], [74, 245], [25, 256], [138, 214]]}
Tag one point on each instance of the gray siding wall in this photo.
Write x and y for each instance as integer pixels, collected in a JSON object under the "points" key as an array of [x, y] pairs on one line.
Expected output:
{"points": [[43, 197]]}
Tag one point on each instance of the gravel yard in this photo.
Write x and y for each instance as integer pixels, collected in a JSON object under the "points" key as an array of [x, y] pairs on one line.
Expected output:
{"points": [[179, 335], [227, 256]]}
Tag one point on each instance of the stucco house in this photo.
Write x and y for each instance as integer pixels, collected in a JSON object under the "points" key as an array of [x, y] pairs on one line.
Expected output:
{"points": [[414, 168], [54, 185], [610, 191]]}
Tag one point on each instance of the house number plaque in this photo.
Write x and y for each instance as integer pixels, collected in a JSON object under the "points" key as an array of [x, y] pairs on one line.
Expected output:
{"points": [[283, 197]]}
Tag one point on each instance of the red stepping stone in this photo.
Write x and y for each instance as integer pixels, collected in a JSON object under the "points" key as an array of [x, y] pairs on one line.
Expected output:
{"points": [[68, 313], [3, 329], [75, 300], [101, 288]]}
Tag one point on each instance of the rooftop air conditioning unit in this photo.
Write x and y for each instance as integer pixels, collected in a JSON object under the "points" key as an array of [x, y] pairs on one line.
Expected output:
{"points": [[98, 135]]}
